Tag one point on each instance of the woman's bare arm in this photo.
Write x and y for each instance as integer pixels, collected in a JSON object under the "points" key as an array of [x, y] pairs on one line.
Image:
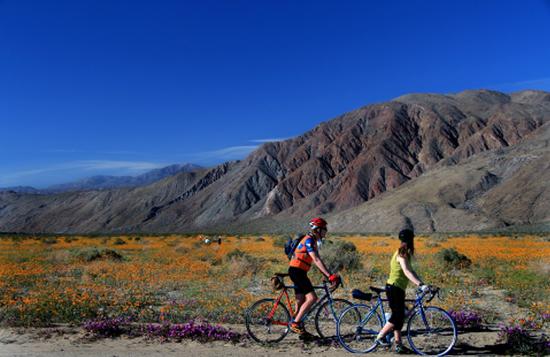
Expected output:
{"points": [[409, 272]]}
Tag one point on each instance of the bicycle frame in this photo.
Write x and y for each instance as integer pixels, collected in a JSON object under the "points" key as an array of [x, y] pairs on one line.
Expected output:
{"points": [[418, 305], [318, 303]]}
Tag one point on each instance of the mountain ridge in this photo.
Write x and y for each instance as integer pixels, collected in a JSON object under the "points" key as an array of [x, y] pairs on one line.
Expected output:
{"points": [[102, 182], [338, 165]]}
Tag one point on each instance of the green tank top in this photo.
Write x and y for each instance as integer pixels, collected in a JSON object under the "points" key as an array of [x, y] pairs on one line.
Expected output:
{"points": [[397, 275]]}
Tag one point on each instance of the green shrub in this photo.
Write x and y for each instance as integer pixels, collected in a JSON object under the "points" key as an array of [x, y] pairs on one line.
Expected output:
{"points": [[341, 255], [49, 240], [451, 258], [92, 254], [119, 241], [241, 263], [280, 241]]}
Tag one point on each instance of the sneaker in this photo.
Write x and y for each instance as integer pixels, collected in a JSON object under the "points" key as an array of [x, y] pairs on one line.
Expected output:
{"points": [[400, 349], [297, 327], [382, 342]]}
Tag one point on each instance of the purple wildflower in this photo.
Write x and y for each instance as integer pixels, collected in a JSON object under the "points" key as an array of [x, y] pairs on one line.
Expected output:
{"points": [[466, 319]]}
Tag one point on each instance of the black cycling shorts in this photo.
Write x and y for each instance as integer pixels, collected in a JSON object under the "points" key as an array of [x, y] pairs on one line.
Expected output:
{"points": [[302, 284], [396, 297]]}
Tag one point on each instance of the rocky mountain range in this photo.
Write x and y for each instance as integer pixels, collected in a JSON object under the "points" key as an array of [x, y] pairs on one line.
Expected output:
{"points": [[461, 162], [103, 182]]}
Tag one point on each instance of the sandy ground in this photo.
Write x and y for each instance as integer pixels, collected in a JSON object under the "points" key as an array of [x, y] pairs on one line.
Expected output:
{"points": [[67, 342]]}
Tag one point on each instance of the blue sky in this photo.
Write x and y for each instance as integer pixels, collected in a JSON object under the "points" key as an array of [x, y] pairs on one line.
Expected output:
{"points": [[120, 87]]}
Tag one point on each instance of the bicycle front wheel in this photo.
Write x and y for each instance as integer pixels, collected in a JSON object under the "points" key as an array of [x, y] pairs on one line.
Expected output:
{"points": [[358, 327], [267, 323], [432, 332], [327, 317]]}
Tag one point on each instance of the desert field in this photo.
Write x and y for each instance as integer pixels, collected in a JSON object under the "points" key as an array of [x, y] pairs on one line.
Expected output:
{"points": [[177, 293]]}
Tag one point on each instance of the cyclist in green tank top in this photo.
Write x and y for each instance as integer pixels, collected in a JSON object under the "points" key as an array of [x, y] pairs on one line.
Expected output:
{"points": [[400, 274]]}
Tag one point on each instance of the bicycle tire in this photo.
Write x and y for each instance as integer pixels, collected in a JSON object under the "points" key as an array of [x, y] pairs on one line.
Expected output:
{"points": [[260, 327], [357, 328], [325, 321], [436, 339]]}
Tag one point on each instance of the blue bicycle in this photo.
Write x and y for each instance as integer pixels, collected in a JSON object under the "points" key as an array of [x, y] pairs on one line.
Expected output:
{"points": [[430, 329]]}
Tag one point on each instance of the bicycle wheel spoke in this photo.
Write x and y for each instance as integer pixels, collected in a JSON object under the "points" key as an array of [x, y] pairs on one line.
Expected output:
{"points": [[358, 328], [261, 327], [431, 334]]}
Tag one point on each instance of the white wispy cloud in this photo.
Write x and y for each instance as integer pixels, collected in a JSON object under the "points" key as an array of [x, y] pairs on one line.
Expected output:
{"points": [[73, 167], [537, 83], [108, 152], [269, 140], [116, 165], [228, 153]]}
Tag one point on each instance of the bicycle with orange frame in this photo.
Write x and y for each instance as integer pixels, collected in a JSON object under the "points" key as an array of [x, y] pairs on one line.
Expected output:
{"points": [[267, 320]]}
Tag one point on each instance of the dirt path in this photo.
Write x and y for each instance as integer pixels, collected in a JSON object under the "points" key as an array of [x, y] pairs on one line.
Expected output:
{"points": [[65, 343]]}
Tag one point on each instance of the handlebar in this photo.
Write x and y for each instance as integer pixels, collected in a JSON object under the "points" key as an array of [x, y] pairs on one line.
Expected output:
{"points": [[433, 291], [332, 288]]}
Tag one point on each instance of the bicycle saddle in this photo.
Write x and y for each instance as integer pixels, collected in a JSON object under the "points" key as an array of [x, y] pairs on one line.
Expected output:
{"points": [[377, 290], [358, 294]]}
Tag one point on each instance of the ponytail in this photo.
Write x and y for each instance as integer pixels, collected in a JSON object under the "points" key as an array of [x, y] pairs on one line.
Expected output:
{"points": [[406, 249]]}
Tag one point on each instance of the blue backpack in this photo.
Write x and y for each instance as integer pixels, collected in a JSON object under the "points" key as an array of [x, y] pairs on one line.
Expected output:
{"points": [[291, 244]]}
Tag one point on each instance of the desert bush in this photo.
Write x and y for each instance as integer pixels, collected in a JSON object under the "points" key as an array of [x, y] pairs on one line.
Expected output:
{"points": [[17, 239], [241, 263], [341, 255], [70, 239], [49, 240], [280, 241], [182, 250], [519, 340], [432, 244], [59, 256], [451, 258], [92, 254], [119, 241]]}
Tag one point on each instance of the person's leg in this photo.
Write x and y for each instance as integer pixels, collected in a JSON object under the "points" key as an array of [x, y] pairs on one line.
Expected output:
{"points": [[396, 300], [380, 338], [397, 336], [304, 287], [398, 316], [310, 299], [300, 299]]}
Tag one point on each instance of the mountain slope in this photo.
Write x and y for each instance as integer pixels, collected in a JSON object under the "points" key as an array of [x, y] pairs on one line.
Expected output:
{"points": [[355, 158]]}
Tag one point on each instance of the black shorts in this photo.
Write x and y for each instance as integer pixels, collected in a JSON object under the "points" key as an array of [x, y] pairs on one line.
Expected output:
{"points": [[396, 297], [302, 284]]}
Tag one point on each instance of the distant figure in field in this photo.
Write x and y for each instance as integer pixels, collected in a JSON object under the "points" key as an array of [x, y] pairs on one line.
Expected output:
{"points": [[219, 241], [400, 274]]}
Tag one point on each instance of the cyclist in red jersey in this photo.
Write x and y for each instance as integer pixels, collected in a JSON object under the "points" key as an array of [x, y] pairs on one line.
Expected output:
{"points": [[305, 254]]}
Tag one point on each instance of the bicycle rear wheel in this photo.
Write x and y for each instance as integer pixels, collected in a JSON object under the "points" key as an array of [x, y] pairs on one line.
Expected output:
{"points": [[358, 327], [266, 323], [432, 332], [327, 317]]}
